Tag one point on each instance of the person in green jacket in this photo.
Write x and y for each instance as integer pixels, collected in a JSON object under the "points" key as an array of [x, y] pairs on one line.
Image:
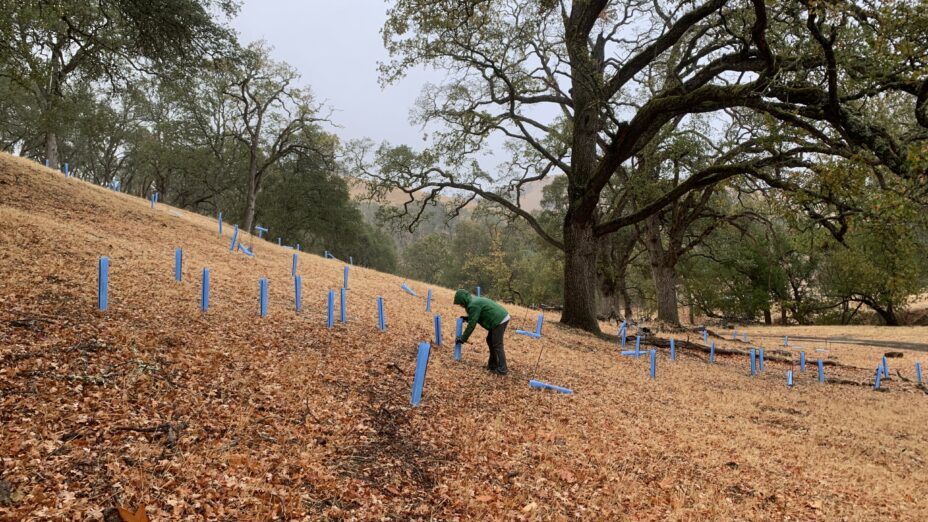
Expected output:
{"points": [[494, 318]]}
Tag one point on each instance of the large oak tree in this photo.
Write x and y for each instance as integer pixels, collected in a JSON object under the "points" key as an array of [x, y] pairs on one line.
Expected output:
{"points": [[580, 88]]}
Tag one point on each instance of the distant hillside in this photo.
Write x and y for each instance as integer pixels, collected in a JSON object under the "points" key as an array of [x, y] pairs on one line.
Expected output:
{"points": [[531, 195]]}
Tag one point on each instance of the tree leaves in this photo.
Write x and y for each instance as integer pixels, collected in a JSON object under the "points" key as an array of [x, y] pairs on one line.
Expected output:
{"points": [[138, 516]]}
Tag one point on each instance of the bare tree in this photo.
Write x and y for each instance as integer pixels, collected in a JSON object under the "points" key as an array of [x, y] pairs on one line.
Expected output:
{"points": [[273, 118]]}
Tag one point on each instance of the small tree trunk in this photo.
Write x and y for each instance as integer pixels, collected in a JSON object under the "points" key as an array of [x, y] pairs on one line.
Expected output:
{"points": [[249, 216], [768, 319], [51, 105], [251, 196], [580, 276], [782, 314], [608, 298], [887, 314], [51, 149], [625, 301]]}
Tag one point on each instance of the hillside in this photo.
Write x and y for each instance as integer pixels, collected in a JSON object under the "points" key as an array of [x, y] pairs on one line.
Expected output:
{"points": [[532, 194], [230, 416]]}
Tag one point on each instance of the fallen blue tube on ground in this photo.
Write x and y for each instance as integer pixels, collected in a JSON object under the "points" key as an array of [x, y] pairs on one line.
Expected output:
{"points": [[246, 250], [537, 333], [408, 290], [545, 386]]}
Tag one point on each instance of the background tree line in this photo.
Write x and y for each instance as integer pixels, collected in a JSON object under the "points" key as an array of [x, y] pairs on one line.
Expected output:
{"points": [[750, 257], [160, 96]]}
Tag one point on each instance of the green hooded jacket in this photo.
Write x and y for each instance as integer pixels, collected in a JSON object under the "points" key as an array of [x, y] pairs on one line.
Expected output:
{"points": [[480, 310]]}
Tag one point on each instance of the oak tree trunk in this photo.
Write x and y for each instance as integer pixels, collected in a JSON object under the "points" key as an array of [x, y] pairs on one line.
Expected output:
{"points": [[665, 284], [580, 276], [52, 104], [663, 272]]}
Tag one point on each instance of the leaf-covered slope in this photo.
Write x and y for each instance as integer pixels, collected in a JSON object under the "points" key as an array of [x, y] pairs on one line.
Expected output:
{"points": [[229, 416]]}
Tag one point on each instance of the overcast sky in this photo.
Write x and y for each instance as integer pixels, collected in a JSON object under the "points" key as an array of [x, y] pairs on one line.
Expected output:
{"points": [[335, 45]]}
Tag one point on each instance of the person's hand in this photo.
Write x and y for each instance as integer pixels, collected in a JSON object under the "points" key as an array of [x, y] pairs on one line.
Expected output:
{"points": [[457, 340]]}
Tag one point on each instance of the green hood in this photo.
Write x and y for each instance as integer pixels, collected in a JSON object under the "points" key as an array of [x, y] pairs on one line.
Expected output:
{"points": [[462, 297]]}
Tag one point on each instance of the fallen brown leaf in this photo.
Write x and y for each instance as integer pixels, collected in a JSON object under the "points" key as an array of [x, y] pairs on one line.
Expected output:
{"points": [[128, 516]]}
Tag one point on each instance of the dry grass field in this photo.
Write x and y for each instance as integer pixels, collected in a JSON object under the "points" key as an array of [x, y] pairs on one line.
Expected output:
{"points": [[228, 416]]}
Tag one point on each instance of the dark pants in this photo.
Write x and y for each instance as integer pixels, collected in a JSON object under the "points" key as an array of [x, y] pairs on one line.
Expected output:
{"points": [[497, 353]]}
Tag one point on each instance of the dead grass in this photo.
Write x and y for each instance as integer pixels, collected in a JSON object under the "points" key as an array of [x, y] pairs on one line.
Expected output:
{"points": [[227, 416]]}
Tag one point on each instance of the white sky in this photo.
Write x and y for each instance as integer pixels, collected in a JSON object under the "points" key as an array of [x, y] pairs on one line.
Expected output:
{"points": [[335, 45]]}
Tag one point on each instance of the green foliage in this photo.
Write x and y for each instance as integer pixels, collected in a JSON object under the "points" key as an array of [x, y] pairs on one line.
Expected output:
{"points": [[881, 264], [305, 204], [736, 276], [54, 51], [505, 259], [429, 259]]}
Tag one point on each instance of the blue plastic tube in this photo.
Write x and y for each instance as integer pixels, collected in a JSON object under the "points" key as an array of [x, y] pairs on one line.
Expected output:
{"points": [[262, 296], [103, 283], [545, 386], [204, 291], [381, 320], [458, 329], [418, 383]]}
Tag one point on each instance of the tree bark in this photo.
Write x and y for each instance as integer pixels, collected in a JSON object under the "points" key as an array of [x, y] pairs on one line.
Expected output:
{"points": [[250, 198], [254, 185], [665, 283], [52, 104], [51, 149], [580, 276], [625, 300], [663, 272], [768, 319], [887, 314]]}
